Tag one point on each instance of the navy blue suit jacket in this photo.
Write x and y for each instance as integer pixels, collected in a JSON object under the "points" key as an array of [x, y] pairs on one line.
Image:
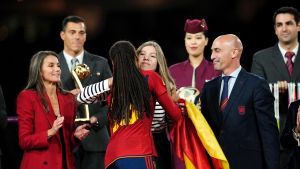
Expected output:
{"points": [[97, 140], [247, 129]]}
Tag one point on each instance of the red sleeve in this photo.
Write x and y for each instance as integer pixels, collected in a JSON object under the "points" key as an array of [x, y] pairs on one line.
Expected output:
{"points": [[74, 140], [169, 106], [29, 136], [159, 91], [156, 85]]}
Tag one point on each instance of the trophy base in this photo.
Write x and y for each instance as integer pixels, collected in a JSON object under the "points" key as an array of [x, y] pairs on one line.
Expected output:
{"points": [[80, 121]]}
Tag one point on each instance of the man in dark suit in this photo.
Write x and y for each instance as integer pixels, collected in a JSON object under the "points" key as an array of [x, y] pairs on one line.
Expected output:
{"points": [[90, 154], [240, 111], [290, 137], [273, 63], [3, 116]]}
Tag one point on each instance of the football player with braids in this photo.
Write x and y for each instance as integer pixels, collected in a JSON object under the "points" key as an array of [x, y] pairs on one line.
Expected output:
{"points": [[131, 100]]}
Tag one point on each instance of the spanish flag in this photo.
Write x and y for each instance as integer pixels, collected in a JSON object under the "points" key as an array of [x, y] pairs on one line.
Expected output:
{"points": [[195, 143]]}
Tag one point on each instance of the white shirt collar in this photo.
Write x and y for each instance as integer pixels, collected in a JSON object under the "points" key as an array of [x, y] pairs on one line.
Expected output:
{"points": [[283, 51], [235, 73], [69, 57], [231, 81]]}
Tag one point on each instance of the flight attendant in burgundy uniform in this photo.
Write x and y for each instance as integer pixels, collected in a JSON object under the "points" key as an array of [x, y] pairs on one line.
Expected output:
{"points": [[196, 70]]}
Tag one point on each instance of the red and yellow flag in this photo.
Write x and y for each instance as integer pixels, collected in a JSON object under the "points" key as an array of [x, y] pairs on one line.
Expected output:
{"points": [[194, 142]]}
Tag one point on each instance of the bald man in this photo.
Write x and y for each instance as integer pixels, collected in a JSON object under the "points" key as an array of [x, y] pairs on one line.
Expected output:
{"points": [[240, 110]]}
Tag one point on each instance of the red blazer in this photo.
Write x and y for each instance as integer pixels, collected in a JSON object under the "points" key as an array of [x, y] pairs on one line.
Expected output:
{"points": [[39, 151]]}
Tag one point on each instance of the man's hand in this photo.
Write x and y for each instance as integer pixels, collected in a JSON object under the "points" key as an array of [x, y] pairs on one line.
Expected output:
{"points": [[297, 129], [283, 86]]}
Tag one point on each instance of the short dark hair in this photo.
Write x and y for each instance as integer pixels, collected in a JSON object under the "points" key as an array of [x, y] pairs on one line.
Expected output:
{"points": [[289, 10], [72, 18]]}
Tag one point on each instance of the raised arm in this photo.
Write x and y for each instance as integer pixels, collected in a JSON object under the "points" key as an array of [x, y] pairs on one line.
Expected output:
{"points": [[95, 92], [158, 89]]}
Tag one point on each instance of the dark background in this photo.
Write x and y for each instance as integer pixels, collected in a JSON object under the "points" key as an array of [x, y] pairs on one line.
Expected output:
{"points": [[27, 26]]}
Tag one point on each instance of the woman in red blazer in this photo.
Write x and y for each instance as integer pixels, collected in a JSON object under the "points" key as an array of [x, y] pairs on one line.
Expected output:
{"points": [[46, 115]]}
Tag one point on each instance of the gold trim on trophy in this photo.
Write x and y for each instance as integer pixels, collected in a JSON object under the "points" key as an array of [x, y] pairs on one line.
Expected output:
{"points": [[80, 72]]}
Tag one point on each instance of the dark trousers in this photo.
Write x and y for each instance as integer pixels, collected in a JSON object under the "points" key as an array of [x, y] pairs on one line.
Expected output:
{"points": [[88, 160], [285, 157], [162, 145]]}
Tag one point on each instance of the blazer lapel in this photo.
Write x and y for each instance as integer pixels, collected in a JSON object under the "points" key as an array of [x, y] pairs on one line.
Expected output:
{"points": [[296, 68], [236, 91], [215, 97], [279, 63], [66, 76], [88, 61], [60, 100], [213, 101], [49, 115]]}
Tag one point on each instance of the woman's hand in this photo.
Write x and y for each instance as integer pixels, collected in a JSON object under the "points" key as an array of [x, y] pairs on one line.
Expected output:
{"points": [[57, 124], [174, 95], [110, 82], [75, 92], [81, 131]]}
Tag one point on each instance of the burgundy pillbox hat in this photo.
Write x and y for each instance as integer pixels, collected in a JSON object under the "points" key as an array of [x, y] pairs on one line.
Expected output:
{"points": [[195, 26]]}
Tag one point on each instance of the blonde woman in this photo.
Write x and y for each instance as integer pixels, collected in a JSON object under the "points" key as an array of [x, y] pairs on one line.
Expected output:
{"points": [[151, 57]]}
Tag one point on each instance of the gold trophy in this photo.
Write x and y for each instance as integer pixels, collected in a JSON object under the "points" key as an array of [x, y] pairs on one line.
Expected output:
{"points": [[190, 94], [80, 72]]}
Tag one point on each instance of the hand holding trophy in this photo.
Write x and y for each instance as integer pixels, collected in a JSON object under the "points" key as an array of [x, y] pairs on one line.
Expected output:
{"points": [[80, 72], [190, 94]]}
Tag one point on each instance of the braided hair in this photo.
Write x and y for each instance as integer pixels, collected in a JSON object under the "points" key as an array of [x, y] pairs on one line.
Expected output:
{"points": [[130, 92]]}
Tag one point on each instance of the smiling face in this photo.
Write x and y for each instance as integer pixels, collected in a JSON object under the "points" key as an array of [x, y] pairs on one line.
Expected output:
{"points": [[74, 37], [226, 53], [147, 58], [50, 70], [286, 28], [195, 43], [221, 55]]}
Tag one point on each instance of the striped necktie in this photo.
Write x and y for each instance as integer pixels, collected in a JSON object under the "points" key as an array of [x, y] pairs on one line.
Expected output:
{"points": [[224, 95], [289, 63], [74, 62]]}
